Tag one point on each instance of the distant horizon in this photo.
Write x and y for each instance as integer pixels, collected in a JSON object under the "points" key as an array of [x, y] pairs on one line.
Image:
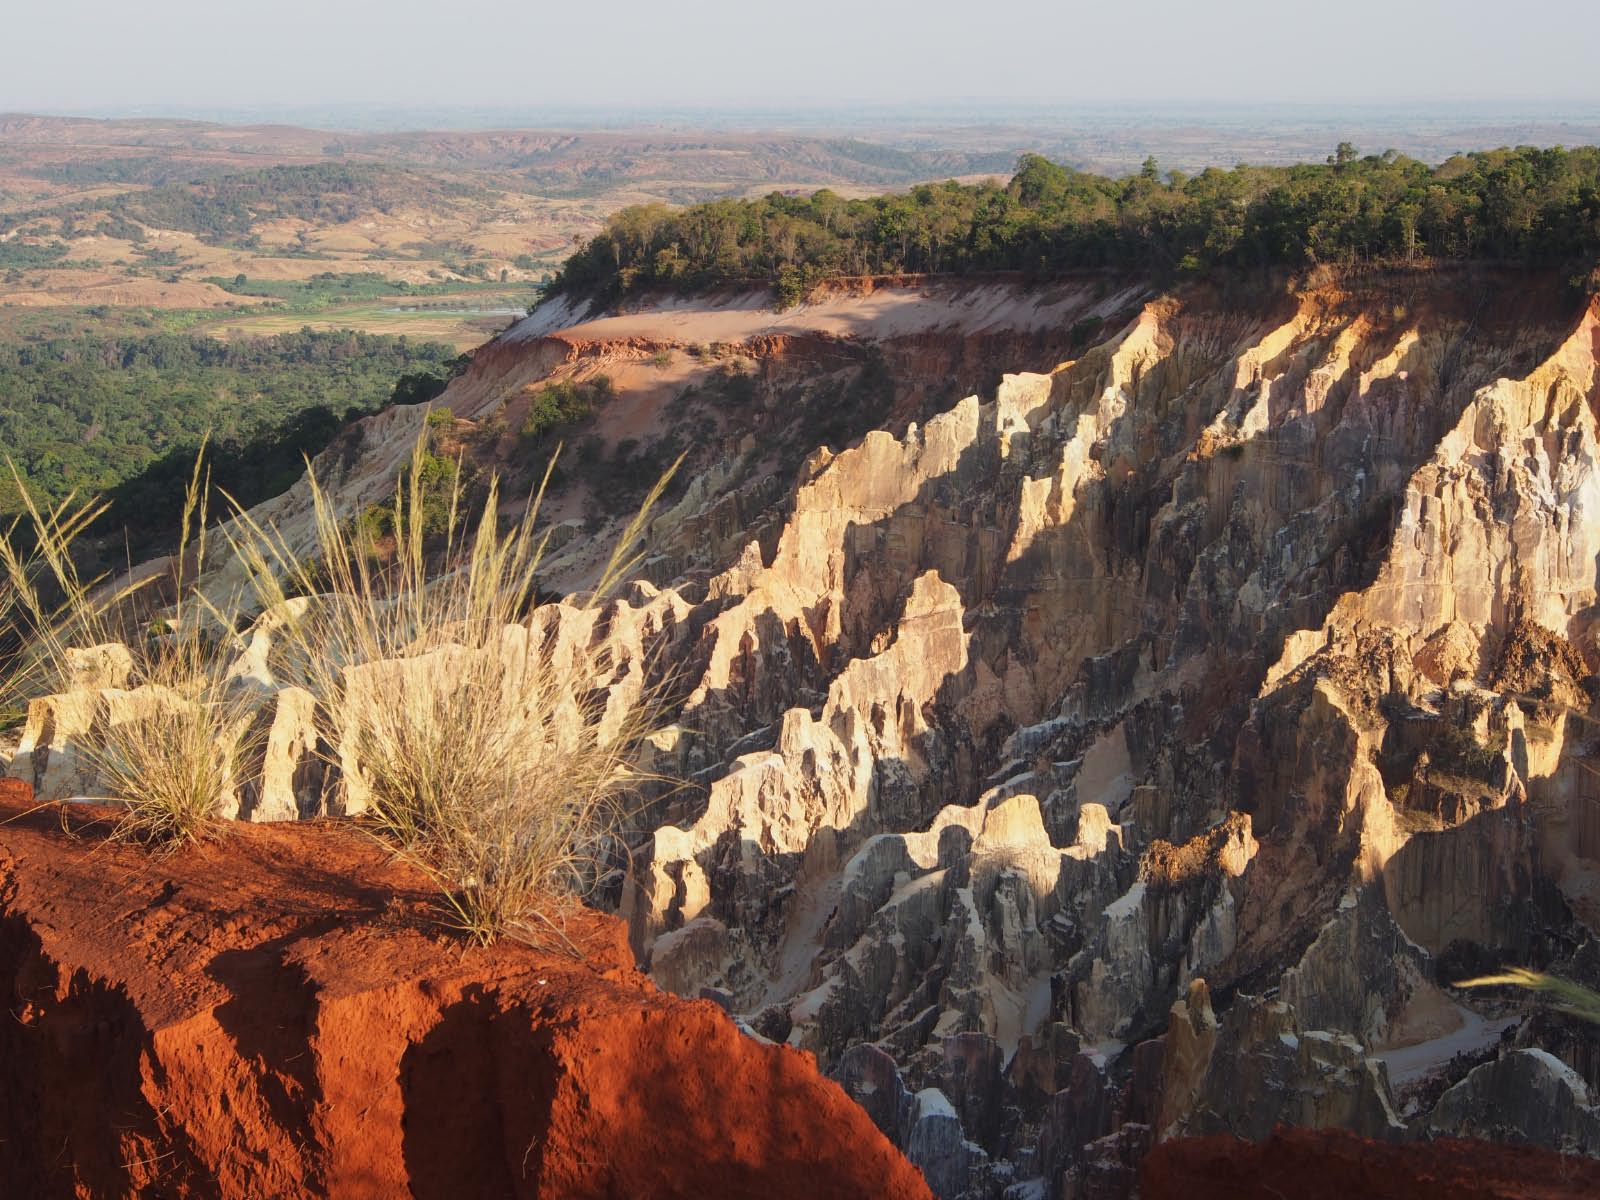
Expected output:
{"points": [[1105, 138], [380, 117]]}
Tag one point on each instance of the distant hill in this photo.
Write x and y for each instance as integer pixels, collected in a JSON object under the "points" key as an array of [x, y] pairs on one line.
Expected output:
{"points": [[584, 162]]}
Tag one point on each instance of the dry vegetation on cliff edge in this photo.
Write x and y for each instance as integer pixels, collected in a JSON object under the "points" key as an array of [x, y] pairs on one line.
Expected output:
{"points": [[172, 752], [489, 761], [486, 759]]}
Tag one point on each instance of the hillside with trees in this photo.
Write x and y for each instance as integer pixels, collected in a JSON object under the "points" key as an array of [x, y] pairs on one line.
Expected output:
{"points": [[1527, 205], [228, 206]]}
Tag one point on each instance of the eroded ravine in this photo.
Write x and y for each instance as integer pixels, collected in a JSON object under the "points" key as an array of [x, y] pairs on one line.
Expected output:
{"points": [[1143, 597], [1134, 747]]}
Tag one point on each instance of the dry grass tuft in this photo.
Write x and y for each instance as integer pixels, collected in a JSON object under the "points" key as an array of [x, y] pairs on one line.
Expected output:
{"points": [[169, 752], [486, 759], [29, 623], [1563, 995], [486, 750]]}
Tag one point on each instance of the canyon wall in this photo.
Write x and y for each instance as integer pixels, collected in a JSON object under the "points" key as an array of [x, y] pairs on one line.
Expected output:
{"points": [[1139, 748], [1102, 714]]}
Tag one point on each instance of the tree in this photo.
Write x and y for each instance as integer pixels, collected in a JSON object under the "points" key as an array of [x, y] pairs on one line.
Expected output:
{"points": [[1530, 205]]}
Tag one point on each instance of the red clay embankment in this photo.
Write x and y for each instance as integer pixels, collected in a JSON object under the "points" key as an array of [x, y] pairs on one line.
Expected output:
{"points": [[273, 1014]]}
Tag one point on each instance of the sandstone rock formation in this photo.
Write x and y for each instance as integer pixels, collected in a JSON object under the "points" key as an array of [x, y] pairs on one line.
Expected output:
{"points": [[275, 735], [1525, 1096], [1240, 648], [1134, 742]]}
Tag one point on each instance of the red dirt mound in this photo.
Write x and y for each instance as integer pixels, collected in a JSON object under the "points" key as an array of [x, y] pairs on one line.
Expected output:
{"points": [[1326, 1164], [274, 1014]]}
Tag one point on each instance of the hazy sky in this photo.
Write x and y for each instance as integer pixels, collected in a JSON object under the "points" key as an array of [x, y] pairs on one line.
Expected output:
{"points": [[88, 55]]}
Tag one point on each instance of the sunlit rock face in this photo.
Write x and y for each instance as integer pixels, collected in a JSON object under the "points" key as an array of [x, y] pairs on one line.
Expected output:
{"points": [[1251, 646], [1141, 744]]}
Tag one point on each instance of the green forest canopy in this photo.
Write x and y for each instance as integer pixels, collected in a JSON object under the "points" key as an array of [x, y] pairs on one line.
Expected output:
{"points": [[124, 416], [1526, 205]]}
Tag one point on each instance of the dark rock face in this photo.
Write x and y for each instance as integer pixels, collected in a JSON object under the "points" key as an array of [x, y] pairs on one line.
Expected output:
{"points": [[1525, 1096], [1331, 1165]]}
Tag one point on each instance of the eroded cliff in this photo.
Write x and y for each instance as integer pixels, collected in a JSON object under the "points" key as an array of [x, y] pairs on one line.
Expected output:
{"points": [[1251, 646], [1121, 716]]}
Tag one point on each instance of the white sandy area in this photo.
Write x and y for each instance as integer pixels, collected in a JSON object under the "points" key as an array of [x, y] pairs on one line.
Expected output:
{"points": [[884, 312]]}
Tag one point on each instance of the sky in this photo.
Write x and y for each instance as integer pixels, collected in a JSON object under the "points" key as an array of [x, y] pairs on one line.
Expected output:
{"points": [[192, 56]]}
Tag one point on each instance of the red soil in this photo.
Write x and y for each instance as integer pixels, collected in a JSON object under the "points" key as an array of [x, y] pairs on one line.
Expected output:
{"points": [[1326, 1164], [274, 1014]]}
